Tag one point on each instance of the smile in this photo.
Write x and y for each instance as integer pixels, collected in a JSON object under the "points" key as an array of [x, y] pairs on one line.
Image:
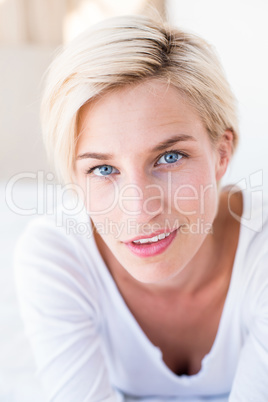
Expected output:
{"points": [[152, 246], [152, 239]]}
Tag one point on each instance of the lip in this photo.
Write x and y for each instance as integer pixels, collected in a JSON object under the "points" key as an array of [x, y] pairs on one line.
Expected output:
{"points": [[158, 232], [151, 249]]}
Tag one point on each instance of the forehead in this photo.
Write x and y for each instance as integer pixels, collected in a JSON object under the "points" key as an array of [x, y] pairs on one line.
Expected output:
{"points": [[145, 112]]}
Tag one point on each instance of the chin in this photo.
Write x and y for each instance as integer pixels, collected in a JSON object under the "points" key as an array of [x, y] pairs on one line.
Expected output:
{"points": [[153, 273]]}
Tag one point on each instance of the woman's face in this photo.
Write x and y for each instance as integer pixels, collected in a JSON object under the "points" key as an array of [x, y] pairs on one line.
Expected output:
{"points": [[149, 174]]}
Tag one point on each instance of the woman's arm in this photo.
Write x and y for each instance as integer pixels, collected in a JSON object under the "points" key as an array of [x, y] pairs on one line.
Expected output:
{"points": [[61, 313]]}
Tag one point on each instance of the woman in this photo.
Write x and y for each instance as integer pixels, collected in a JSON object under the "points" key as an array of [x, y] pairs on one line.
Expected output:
{"points": [[155, 289]]}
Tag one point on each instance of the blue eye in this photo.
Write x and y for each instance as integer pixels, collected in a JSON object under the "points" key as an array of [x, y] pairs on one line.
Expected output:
{"points": [[104, 170], [169, 157]]}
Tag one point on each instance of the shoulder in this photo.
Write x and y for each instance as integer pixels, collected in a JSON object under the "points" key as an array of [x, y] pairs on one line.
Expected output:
{"points": [[62, 230], [52, 256], [248, 210], [249, 207], [254, 227], [252, 257]]}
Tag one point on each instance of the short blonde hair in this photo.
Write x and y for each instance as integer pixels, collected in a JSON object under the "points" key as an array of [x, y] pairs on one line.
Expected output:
{"points": [[123, 51]]}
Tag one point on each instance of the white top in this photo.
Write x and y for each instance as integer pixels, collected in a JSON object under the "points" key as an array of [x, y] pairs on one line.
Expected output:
{"points": [[89, 347]]}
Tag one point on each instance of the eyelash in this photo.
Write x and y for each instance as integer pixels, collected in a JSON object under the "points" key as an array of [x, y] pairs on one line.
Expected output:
{"points": [[183, 154], [176, 151]]}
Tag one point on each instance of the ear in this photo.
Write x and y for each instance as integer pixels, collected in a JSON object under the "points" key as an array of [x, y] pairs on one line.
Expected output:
{"points": [[224, 153]]}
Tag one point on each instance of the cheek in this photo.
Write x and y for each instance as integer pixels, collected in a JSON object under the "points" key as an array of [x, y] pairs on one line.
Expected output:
{"points": [[100, 197], [102, 205], [195, 195]]}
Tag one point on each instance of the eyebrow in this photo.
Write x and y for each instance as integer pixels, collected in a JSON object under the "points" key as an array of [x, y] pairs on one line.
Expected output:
{"points": [[173, 140], [160, 147]]}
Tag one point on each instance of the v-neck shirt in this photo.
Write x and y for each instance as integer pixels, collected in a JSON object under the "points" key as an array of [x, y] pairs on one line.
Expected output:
{"points": [[89, 347]]}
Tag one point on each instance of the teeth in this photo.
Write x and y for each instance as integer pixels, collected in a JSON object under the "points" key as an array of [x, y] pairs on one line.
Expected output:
{"points": [[152, 239], [141, 241]]}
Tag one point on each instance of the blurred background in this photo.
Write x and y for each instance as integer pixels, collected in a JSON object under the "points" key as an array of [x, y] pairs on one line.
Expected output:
{"points": [[30, 33]]}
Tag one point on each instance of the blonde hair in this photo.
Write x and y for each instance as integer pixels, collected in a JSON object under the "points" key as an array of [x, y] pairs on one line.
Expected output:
{"points": [[123, 51]]}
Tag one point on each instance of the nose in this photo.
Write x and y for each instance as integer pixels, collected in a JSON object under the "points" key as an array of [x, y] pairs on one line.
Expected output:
{"points": [[141, 199]]}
